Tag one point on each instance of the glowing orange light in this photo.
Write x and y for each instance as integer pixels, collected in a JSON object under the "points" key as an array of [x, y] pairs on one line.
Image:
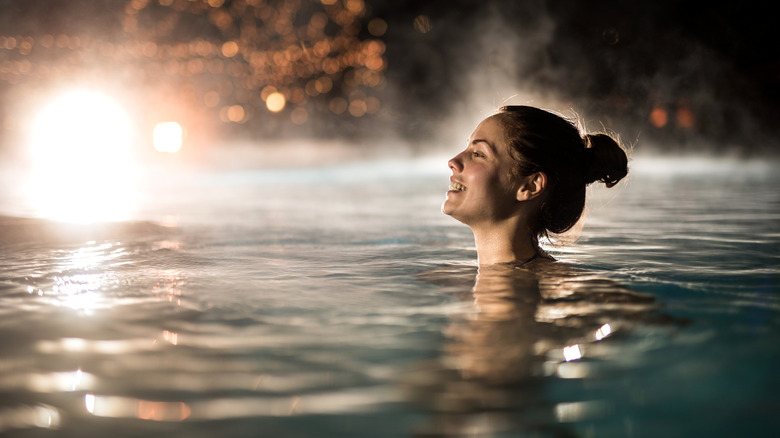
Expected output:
{"points": [[357, 108], [236, 113], [684, 116], [230, 49], [275, 102], [354, 6], [324, 84], [375, 63], [659, 117], [267, 91]]}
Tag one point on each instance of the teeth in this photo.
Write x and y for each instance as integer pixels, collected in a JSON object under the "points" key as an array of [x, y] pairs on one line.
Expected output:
{"points": [[457, 187]]}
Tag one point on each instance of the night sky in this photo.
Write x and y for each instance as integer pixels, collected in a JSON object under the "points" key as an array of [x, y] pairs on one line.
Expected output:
{"points": [[668, 75]]}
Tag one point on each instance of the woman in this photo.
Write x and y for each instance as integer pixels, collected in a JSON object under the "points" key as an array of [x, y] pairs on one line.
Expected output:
{"points": [[523, 175]]}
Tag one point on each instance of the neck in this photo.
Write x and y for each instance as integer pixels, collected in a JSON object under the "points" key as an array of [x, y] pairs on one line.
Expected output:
{"points": [[504, 243]]}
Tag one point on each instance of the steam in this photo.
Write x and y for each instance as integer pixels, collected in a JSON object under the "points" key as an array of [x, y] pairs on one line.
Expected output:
{"points": [[615, 69], [506, 63]]}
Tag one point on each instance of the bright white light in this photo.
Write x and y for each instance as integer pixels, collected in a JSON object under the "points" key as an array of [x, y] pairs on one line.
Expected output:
{"points": [[603, 332], [81, 157], [572, 352], [168, 137], [89, 403]]}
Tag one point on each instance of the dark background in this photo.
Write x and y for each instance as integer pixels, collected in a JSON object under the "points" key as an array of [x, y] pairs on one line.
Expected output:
{"points": [[666, 75], [613, 60]]}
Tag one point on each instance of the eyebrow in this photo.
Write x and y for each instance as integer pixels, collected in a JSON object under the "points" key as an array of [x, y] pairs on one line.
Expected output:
{"points": [[482, 140]]}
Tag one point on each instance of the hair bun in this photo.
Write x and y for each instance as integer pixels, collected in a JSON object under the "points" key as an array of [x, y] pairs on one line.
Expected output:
{"points": [[605, 160]]}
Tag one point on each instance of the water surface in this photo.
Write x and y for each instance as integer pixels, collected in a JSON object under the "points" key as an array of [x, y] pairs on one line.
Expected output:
{"points": [[339, 302]]}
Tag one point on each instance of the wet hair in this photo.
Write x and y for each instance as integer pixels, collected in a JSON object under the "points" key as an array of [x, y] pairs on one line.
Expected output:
{"points": [[541, 141]]}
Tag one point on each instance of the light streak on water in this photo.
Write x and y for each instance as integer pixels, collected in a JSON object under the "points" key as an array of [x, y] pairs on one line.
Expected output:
{"points": [[572, 352]]}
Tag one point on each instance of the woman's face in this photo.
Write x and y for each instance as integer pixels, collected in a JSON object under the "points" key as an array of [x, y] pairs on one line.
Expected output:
{"points": [[481, 187]]}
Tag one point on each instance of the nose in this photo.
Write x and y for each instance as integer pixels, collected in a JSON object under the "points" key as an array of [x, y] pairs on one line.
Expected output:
{"points": [[455, 164]]}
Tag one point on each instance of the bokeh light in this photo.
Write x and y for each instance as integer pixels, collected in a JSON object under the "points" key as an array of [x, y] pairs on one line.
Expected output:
{"points": [[168, 137], [209, 62], [275, 102]]}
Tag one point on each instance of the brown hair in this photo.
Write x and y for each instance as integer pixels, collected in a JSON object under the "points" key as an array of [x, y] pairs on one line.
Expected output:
{"points": [[541, 141]]}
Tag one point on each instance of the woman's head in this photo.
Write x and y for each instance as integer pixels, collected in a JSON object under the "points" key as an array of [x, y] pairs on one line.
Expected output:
{"points": [[538, 142]]}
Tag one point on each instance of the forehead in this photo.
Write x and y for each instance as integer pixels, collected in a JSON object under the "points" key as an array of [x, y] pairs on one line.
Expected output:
{"points": [[491, 130]]}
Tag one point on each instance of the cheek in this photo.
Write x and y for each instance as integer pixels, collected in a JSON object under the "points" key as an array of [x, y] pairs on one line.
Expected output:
{"points": [[495, 184], [501, 195], [500, 185]]}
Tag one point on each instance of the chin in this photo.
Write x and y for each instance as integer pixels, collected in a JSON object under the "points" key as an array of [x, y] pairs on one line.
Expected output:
{"points": [[453, 214], [446, 209]]}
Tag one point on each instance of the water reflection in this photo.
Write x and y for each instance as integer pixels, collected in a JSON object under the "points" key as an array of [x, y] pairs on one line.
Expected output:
{"points": [[220, 408], [528, 327], [111, 406], [169, 285], [24, 416]]}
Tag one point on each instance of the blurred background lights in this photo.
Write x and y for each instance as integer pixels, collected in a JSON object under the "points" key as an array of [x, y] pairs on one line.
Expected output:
{"points": [[211, 63], [206, 61], [275, 102], [377, 27], [168, 137]]}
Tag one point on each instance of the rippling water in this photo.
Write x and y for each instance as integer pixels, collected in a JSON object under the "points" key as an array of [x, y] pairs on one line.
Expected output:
{"points": [[340, 302]]}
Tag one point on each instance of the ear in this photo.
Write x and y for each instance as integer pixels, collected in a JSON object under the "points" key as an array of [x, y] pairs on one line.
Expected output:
{"points": [[532, 186]]}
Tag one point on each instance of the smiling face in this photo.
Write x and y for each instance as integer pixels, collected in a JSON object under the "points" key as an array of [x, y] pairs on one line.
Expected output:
{"points": [[482, 189]]}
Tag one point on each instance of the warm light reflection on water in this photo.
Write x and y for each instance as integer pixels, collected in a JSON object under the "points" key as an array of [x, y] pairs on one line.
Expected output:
{"points": [[572, 352], [354, 401], [81, 283], [24, 416], [169, 285], [110, 406], [604, 331]]}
